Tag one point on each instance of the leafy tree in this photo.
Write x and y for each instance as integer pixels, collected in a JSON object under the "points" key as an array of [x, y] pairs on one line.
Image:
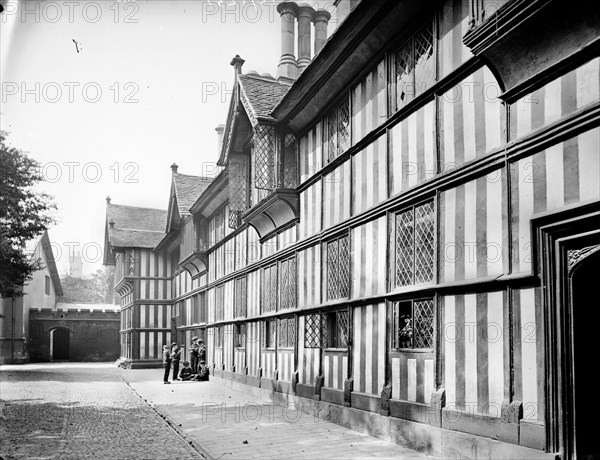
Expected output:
{"points": [[97, 289], [24, 214]]}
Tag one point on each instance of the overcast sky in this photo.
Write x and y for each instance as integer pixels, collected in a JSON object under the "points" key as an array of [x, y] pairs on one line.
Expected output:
{"points": [[107, 95]]}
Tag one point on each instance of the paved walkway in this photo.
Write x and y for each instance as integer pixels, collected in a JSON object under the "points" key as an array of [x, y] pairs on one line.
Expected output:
{"points": [[80, 410], [226, 423]]}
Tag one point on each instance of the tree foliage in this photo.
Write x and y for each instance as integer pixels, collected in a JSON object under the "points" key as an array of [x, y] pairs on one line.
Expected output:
{"points": [[24, 214], [97, 289]]}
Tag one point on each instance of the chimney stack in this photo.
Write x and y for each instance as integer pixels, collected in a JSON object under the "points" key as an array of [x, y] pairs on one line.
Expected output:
{"points": [[219, 129], [237, 62], [287, 68], [322, 18], [306, 16]]}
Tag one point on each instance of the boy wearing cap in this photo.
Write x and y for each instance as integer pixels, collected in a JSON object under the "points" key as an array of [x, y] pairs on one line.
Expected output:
{"points": [[175, 356], [186, 372], [194, 348], [166, 363]]}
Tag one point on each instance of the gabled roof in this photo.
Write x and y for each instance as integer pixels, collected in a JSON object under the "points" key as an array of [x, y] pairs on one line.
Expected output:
{"points": [[50, 263], [260, 95], [134, 227], [188, 189]]}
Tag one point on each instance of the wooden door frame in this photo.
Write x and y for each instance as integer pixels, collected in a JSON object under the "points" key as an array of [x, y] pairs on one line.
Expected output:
{"points": [[553, 235]]}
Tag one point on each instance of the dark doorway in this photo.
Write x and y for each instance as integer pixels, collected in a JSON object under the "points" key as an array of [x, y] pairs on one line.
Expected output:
{"points": [[60, 344], [586, 317]]}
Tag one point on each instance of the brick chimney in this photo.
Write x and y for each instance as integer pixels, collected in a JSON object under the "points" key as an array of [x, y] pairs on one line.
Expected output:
{"points": [[322, 18], [287, 68], [306, 16]]}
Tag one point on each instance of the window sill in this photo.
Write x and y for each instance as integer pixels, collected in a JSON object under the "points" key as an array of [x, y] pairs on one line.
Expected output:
{"points": [[411, 350]]}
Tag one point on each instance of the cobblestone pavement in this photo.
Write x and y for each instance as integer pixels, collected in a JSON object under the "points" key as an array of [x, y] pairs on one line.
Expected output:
{"points": [[232, 424], [73, 411]]}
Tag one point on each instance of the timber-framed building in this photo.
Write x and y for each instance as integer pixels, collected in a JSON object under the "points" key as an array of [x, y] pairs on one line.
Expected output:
{"points": [[404, 230]]}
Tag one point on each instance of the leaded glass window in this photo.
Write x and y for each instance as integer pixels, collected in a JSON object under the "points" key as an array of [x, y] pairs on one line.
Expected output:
{"points": [[337, 268], [336, 329], [240, 335], [287, 283], [240, 297], [219, 303], [414, 241], [312, 331], [268, 292], [415, 66], [413, 324], [237, 170], [269, 333], [336, 131], [287, 332], [264, 151], [290, 162]]}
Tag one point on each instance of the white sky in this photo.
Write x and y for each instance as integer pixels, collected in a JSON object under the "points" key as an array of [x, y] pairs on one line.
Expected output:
{"points": [[169, 58]]}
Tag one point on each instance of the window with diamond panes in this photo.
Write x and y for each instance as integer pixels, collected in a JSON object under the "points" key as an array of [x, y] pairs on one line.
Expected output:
{"points": [[287, 332], [240, 297], [414, 242], [413, 324], [268, 292], [269, 333], [237, 170], [240, 335], [336, 131], [287, 283], [335, 329], [290, 162], [219, 303], [415, 66], [264, 151], [312, 331], [337, 268]]}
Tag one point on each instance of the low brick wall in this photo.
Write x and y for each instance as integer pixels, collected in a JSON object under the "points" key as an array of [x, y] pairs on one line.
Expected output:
{"points": [[93, 334]]}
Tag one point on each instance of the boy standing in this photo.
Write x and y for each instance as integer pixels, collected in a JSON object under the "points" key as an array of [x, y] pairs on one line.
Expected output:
{"points": [[166, 363], [175, 356], [194, 348]]}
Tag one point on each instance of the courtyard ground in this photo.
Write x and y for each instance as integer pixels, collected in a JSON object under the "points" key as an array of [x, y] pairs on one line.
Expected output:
{"points": [[85, 410]]}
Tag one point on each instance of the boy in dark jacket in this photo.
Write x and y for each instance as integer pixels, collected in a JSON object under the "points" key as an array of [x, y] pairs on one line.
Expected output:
{"points": [[175, 357], [186, 372], [166, 363]]}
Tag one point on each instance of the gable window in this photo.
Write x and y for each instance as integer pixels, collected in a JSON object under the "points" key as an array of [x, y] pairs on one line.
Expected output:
{"points": [[415, 66], [287, 332], [414, 244], [47, 285], [268, 291], [413, 324], [240, 335], [239, 303], [335, 329], [336, 131], [337, 268], [269, 333], [287, 283]]}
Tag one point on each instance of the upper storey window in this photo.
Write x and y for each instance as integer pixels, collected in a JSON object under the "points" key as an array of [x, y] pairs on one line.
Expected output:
{"points": [[415, 66], [336, 131]]}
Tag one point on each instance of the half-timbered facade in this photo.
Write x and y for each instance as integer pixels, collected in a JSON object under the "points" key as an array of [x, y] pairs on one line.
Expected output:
{"points": [[405, 227]]}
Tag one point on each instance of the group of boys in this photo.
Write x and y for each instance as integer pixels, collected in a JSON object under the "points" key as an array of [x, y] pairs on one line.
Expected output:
{"points": [[197, 370]]}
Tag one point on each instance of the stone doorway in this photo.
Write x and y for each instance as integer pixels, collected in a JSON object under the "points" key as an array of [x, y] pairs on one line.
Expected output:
{"points": [[59, 344]]}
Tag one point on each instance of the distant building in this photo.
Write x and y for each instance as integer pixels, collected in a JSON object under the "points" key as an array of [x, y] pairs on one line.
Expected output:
{"points": [[406, 228], [42, 291], [76, 266]]}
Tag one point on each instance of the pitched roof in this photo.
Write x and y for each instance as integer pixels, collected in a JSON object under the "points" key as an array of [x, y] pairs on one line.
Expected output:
{"points": [[262, 93], [134, 226], [51, 263], [188, 189]]}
